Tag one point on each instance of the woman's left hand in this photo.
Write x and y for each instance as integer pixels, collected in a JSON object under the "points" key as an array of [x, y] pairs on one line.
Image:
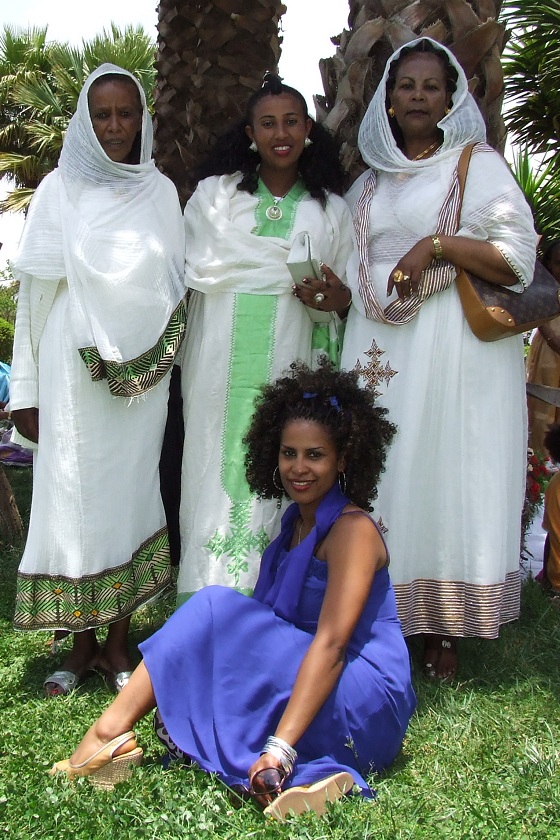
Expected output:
{"points": [[406, 276], [265, 761], [328, 295]]}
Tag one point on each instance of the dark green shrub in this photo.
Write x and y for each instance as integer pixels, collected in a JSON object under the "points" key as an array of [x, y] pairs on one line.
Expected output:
{"points": [[6, 341]]}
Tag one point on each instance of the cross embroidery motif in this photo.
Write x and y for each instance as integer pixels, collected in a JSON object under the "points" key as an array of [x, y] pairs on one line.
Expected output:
{"points": [[239, 542], [374, 373]]}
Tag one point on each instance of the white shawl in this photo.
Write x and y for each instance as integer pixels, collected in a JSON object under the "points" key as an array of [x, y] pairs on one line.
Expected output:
{"points": [[114, 230], [223, 256]]}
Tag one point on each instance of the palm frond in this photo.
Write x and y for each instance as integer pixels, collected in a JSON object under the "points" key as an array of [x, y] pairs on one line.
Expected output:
{"points": [[541, 187], [532, 73], [17, 201]]}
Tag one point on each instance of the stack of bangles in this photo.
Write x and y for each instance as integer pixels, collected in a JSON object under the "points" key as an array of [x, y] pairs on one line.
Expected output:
{"points": [[281, 750]]}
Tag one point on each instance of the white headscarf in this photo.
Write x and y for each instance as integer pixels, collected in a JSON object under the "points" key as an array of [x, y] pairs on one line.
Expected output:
{"points": [[495, 209], [115, 231], [462, 125]]}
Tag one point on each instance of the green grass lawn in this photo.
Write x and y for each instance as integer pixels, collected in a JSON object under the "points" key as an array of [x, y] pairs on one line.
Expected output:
{"points": [[481, 758]]}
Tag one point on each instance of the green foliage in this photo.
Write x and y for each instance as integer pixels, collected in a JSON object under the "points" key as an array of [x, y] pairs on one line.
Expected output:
{"points": [[532, 71], [541, 187], [8, 295], [6, 340], [39, 86], [481, 759]]}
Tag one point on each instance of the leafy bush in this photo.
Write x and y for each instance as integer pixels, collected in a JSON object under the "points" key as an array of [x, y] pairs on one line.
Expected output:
{"points": [[6, 340], [8, 294]]}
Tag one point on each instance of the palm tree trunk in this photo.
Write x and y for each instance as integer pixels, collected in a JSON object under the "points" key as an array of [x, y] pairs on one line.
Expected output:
{"points": [[211, 58], [378, 27]]}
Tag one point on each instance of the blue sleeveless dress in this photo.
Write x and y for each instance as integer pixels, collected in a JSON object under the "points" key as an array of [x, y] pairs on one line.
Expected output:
{"points": [[224, 665]]}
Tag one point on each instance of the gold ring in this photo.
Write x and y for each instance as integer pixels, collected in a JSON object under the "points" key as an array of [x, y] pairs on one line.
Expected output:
{"points": [[398, 276]]}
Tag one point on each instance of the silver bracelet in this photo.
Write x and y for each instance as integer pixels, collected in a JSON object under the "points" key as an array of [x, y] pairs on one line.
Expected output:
{"points": [[281, 750]]}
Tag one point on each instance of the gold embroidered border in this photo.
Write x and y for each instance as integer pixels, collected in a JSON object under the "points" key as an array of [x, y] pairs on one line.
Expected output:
{"points": [[45, 602], [455, 608], [135, 377]]}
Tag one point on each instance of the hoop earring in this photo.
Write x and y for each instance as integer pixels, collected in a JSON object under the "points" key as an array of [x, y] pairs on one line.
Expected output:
{"points": [[391, 111], [342, 481], [278, 486], [253, 147], [276, 479], [307, 143]]}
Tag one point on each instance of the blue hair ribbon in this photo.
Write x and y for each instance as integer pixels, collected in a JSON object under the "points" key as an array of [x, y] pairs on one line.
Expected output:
{"points": [[332, 400]]}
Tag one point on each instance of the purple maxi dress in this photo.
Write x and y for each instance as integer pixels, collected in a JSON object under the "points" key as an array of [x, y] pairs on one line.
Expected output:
{"points": [[224, 665]]}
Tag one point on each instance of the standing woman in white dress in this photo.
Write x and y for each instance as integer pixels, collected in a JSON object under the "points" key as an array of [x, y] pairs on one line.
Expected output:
{"points": [[275, 174], [100, 317], [452, 495]]}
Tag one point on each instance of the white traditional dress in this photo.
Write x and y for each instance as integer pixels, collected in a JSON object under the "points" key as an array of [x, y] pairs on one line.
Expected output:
{"points": [[245, 329], [101, 314], [451, 496]]}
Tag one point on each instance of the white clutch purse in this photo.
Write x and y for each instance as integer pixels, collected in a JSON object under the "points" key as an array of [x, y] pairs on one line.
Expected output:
{"points": [[303, 263]]}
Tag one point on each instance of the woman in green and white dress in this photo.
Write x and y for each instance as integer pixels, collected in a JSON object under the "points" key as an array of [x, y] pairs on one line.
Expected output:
{"points": [[276, 174]]}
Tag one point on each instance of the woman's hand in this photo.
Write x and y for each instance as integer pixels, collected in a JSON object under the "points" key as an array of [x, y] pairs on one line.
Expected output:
{"points": [[336, 296], [475, 255], [263, 762], [26, 421], [406, 275]]}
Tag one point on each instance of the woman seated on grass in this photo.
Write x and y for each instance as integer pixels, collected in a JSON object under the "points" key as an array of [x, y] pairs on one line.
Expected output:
{"points": [[295, 695]]}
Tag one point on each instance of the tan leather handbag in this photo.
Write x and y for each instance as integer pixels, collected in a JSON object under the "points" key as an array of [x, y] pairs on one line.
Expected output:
{"points": [[494, 311]]}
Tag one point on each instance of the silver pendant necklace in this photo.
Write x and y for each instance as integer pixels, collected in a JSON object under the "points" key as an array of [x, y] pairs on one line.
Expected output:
{"points": [[274, 212]]}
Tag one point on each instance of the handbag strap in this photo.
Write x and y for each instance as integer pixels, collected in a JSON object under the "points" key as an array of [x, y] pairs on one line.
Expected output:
{"points": [[462, 170]]}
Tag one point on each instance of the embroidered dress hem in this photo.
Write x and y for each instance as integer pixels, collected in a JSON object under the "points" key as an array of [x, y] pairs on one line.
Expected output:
{"points": [[456, 608], [56, 602]]}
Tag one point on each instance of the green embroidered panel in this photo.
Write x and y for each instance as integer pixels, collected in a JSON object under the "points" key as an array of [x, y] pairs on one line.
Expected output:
{"points": [[323, 343], [252, 350], [283, 227], [44, 602], [133, 378], [252, 346], [239, 542]]}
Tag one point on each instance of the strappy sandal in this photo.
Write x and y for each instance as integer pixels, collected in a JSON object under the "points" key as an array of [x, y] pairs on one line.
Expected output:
{"points": [[302, 798], [436, 648], [104, 769]]}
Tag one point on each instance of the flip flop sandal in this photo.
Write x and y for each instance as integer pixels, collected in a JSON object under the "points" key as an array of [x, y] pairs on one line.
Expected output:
{"points": [[302, 798]]}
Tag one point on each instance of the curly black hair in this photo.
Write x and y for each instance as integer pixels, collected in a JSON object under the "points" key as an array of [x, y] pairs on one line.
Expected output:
{"points": [[357, 427], [319, 165], [552, 442], [424, 46]]}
